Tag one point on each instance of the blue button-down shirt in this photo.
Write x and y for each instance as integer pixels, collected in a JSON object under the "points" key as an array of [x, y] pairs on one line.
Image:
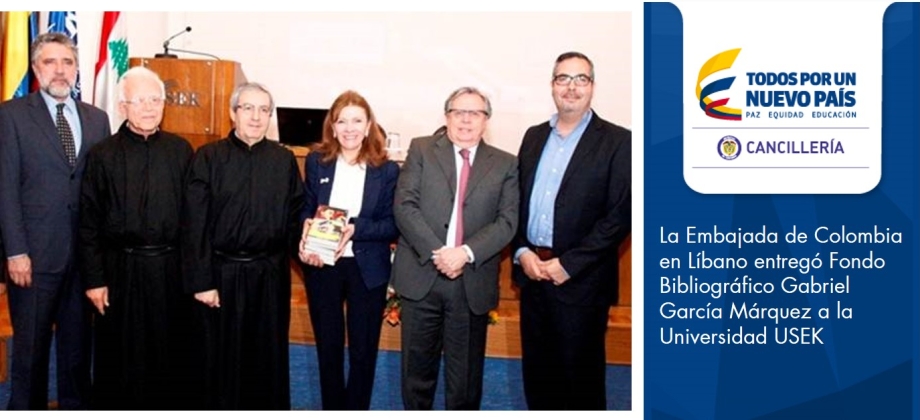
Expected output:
{"points": [[553, 162], [70, 114]]}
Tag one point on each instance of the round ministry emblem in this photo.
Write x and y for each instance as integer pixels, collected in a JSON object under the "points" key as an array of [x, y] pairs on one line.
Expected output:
{"points": [[729, 147]]}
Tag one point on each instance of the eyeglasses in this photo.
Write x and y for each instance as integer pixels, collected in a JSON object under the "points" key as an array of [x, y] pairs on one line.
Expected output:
{"points": [[151, 100], [460, 113], [565, 79], [249, 108]]}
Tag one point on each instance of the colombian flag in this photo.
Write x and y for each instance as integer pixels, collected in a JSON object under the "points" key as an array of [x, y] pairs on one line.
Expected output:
{"points": [[17, 34]]}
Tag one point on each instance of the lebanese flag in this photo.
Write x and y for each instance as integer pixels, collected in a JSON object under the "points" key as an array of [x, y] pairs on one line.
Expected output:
{"points": [[111, 65]]}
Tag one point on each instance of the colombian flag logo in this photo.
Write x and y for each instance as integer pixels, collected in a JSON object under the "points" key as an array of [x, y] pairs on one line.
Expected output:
{"points": [[716, 108]]}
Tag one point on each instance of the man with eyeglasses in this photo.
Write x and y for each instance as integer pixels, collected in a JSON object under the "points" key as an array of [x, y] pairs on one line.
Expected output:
{"points": [[242, 224], [129, 238], [44, 137], [456, 208], [575, 212]]}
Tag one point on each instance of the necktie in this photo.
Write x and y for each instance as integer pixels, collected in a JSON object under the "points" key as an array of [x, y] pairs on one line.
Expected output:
{"points": [[63, 130], [461, 192]]}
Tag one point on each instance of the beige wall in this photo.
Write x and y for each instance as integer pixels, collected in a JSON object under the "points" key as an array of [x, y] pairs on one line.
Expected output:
{"points": [[405, 63]]}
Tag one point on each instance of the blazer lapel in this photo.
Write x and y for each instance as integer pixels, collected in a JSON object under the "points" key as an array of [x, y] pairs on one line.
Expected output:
{"points": [[444, 152], [326, 175], [482, 164], [43, 120], [586, 146], [371, 190], [86, 128], [533, 155]]}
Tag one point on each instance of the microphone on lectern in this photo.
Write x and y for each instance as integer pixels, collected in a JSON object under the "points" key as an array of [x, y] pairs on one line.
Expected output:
{"points": [[165, 53]]}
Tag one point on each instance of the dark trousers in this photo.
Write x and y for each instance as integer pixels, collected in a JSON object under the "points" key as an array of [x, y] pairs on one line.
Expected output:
{"points": [[563, 351], [56, 301], [442, 320], [327, 289]]}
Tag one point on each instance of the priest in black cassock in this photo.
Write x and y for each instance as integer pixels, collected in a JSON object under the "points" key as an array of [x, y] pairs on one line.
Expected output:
{"points": [[243, 200], [130, 205]]}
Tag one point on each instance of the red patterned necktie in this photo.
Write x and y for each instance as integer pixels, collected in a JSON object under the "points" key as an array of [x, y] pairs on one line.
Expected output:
{"points": [[461, 193]]}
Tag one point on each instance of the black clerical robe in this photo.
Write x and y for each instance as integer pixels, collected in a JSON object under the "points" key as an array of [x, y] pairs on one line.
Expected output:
{"points": [[130, 206], [242, 217]]}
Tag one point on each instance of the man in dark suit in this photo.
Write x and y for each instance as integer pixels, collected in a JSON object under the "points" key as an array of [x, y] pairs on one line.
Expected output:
{"points": [[456, 208], [575, 211], [44, 138]]}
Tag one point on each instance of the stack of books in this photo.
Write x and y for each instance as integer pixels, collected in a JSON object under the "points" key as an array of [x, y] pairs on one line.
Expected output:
{"points": [[326, 232]]}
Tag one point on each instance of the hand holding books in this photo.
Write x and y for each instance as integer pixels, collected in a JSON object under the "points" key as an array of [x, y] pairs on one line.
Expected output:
{"points": [[308, 258], [347, 233], [324, 236]]}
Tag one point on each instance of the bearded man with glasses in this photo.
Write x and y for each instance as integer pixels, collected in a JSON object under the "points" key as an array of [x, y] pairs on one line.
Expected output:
{"points": [[44, 137], [575, 212]]}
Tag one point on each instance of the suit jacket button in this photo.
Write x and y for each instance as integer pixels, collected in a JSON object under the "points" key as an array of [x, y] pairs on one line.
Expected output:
{"points": [[72, 176]]}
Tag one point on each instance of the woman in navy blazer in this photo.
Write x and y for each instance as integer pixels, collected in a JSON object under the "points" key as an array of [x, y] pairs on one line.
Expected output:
{"points": [[351, 153]]}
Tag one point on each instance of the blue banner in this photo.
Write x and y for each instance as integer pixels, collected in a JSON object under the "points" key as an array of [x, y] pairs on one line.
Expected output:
{"points": [[781, 306]]}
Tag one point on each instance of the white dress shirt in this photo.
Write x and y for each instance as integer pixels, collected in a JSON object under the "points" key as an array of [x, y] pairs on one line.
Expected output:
{"points": [[348, 192]]}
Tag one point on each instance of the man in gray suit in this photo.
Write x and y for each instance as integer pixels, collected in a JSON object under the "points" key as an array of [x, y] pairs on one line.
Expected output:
{"points": [[456, 208], [44, 138]]}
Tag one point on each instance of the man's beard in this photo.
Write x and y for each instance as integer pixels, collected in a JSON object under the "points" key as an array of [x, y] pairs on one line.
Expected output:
{"points": [[57, 91], [565, 107]]}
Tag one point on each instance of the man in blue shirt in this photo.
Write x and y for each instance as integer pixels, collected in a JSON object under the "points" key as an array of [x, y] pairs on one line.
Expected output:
{"points": [[575, 211]]}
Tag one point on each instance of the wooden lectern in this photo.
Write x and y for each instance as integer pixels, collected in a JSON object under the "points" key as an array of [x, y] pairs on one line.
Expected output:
{"points": [[197, 95]]}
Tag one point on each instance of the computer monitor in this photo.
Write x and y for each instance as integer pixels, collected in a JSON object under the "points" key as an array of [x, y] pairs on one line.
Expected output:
{"points": [[300, 126]]}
